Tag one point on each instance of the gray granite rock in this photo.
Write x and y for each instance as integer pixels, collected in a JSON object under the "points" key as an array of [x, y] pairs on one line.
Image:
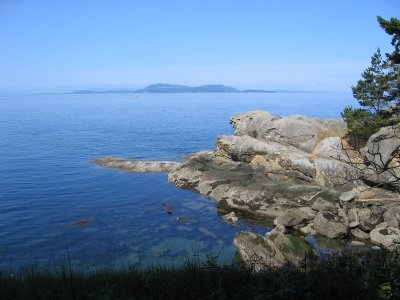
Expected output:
{"points": [[383, 153], [388, 237], [323, 205], [358, 233], [274, 250], [369, 218], [392, 216], [357, 244], [331, 225], [291, 217], [348, 196], [138, 166]]}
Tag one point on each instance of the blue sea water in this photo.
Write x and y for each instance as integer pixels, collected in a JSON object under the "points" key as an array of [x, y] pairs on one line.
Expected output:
{"points": [[57, 206]]}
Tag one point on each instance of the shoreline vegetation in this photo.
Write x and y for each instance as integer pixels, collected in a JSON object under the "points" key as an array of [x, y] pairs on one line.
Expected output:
{"points": [[344, 275]]}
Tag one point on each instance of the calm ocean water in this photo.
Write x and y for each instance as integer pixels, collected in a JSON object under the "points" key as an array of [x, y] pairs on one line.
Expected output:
{"points": [[56, 205]]}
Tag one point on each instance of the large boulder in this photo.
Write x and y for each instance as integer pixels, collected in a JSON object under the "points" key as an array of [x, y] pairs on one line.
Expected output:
{"points": [[382, 154], [331, 225], [369, 217], [292, 217], [298, 131], [323, 205], [273, 250], [272, 156], [296, 146], [387, 237], [392, 216]]}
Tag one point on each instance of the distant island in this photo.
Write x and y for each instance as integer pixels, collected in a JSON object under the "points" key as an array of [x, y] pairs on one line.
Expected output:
{"points": [[173, 88]]}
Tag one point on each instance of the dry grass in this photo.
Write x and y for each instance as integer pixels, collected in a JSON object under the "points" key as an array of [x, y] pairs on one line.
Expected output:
{"points": [[341, 132]]}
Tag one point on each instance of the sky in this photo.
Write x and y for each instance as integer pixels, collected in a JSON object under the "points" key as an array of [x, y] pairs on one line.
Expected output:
{"points": [[48, 45]]}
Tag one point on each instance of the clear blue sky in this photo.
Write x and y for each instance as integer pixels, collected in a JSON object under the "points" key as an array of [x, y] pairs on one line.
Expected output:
{"points": [[308, 44]]}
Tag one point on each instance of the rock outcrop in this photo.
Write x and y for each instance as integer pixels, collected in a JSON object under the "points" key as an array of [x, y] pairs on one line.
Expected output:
{"points": [[296, 172], [382, 154], [137, 166]]}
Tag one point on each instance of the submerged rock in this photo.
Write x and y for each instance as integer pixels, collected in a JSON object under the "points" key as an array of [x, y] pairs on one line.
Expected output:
{"points": [[231, 218], [128, 165]]}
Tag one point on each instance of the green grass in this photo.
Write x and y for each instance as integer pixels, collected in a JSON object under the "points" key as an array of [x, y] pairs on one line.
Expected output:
{"points": [[375, 275]]}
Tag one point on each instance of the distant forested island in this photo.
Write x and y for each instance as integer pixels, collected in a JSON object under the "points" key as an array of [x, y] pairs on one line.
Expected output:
{"points": [[173, 88]]}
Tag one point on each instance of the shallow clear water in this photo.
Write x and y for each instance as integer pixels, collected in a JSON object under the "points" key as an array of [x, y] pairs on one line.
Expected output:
{"points": [[55, 205]]}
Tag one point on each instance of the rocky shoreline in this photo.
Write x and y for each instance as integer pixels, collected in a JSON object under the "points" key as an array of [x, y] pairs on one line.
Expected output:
{"points": [[298, 172]]}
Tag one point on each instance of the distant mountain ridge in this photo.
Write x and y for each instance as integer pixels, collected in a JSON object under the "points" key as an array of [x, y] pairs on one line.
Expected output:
{"points": [[174, 88]]}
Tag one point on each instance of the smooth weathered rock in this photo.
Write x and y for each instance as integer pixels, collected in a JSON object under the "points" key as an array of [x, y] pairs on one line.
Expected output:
{"points": [[357, 244], [273, 250], [383, 145], [272, 156], [392, 216], [383, 154], [331, 225], [352, 214], [331, 148], [323, 205], [309, 212], [358, 233], [348, 196], [138, 166], [369, 218], [309, 229], [383, 225], [388, 237], [291, 217], [354, 224], [295, 130]]}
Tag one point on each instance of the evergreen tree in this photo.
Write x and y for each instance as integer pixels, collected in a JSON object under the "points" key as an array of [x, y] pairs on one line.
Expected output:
{"points": [[392, 27], [372, 91], [378, 88]]}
